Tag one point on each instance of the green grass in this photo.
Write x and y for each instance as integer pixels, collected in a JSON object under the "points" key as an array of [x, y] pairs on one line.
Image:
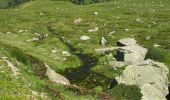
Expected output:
{"points": [[56, 18]]}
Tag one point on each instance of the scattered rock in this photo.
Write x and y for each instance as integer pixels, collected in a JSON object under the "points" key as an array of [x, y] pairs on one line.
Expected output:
{"points": [[96, 13], [138, 20], [148, 37], [111, 33], [26, 30], [126, 30], [33, 39], [37, 34], [54, 51], [93, 30], [8, 32], [14, 69], [84, 38], [41, 13], [20, 31], [103, 41], [66, 53], [55, 77], [78, 20], [156, 45]]}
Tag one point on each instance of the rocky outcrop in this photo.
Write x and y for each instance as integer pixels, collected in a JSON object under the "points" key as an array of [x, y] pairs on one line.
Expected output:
{"points": [[55, 77], [149, 75], [130, 52], [155, 75]]}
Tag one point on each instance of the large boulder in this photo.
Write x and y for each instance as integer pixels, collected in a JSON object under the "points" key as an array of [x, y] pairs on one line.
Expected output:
{"points": [[126, 42], [151, 93], [130, 52], [55, 77], [154, 74]]}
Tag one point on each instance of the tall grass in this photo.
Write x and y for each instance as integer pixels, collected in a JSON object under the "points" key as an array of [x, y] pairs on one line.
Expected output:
{"points": [[10, 3]]}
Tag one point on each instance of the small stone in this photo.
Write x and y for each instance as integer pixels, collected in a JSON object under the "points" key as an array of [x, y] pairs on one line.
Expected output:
{"points": [[46, 35], [84, 38], [26, 30], [41, 13], [35, 93], [93, 30], [138, 20], [4, 57], [96, 13], [156, 45], [8, 32], [78, 20], [54, 51], [66, 53], [126, 30], [37, 34], [103, 41], [148, 37], [112, 33], [20, 31]]}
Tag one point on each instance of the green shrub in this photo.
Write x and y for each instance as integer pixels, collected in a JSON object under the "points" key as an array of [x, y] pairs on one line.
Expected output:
{"points": [[11, 3], [123, 92]]}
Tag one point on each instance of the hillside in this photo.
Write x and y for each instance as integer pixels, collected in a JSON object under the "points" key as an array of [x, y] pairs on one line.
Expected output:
{"points": [[63, 35]]}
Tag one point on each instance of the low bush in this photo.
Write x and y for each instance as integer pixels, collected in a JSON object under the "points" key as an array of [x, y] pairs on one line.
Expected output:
{"points": [[123, 92], [10, 3]]}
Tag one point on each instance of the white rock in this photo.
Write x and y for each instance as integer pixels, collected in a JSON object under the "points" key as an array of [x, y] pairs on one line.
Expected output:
{"points": [[84, 38], [148, 37], [156, 45], [112, 33], [78, 20], [138, 20], [55, 77], [96, 13], [37, 34], [41, 13], [93, 30], [155, 74], [20, 31], [26, 30], [103, 41], [66, 53], [54, 51], [127, 30], [8, 32]]}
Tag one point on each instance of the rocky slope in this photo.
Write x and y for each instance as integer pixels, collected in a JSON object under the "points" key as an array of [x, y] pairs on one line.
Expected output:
{"points": [[58, 50]]}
